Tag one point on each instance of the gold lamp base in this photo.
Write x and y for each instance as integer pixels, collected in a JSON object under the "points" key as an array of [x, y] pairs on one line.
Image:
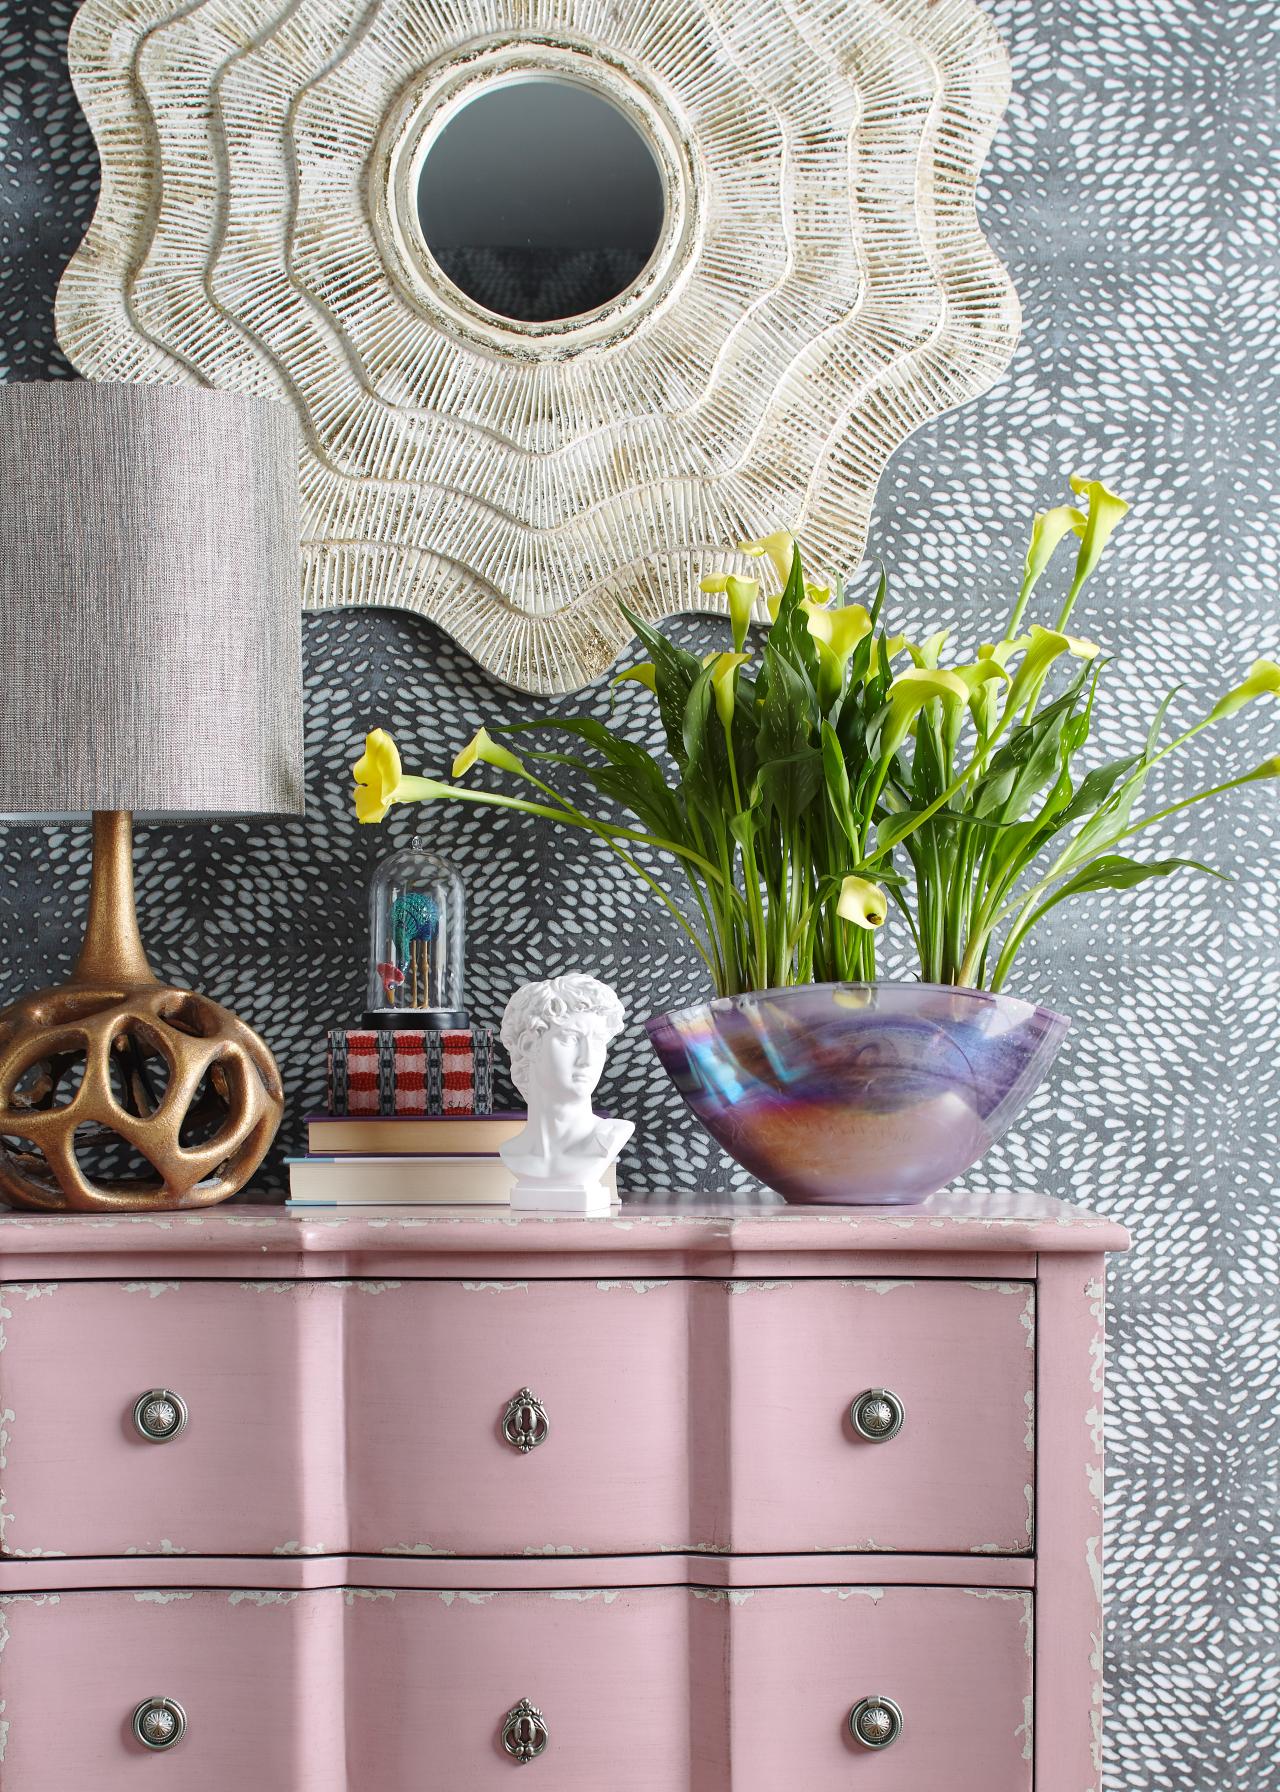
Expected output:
{"points": [[118, 1092]]}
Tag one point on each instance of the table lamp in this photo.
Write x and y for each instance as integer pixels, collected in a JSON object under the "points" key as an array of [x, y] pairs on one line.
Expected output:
{"points": [[150, 639]]}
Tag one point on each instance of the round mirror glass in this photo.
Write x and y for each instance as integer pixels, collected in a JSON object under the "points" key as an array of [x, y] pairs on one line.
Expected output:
{"points": [[540, 199]]}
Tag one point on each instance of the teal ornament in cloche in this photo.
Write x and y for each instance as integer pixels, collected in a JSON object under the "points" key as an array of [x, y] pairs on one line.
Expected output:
{"points": [[417, 935]]}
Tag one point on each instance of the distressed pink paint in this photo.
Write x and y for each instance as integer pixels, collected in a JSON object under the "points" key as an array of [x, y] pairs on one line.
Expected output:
{"points": [[1069, 1569], [958, 1476], [259, 1677], [958, 1664], [315, 1387], [407, 1692], [347, 1577]]}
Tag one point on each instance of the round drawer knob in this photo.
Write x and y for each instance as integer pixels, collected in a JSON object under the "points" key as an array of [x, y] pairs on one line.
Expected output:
{"points": [[524, 1735], [525, 1424], [159, 1415], [159, 1723], [875, 1722], [877, 1415]]}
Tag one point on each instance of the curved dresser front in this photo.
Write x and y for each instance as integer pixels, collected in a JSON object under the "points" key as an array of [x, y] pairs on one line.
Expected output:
{"points": [[699, 1498]]}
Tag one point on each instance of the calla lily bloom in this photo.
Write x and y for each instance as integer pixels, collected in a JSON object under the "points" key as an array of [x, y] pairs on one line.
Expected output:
{"points": [[981, 679], [481, 747], [835, 633], [840, 630], [1106, 512], [780, 548], [722, 683], [1003, 651], [743, 595], [1044, 646], [928, 655], [380, 780], [1263, 681], [863, 903], [909, 693], [1049, 528], [645, 673], [1270, 768]]}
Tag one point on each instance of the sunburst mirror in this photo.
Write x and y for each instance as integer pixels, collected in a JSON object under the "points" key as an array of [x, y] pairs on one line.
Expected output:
{"points": [[567, 296]]}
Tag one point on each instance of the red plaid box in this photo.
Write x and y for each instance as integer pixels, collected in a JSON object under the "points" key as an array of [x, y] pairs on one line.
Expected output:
{"points": [[404, 1071]]}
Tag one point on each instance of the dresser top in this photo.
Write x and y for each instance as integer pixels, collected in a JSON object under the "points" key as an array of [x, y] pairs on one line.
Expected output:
{"points": [[707, 1235]]}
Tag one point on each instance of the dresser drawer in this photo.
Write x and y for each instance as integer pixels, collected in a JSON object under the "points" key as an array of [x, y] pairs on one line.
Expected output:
{"points": [[325, 1417], [257, 1677], [258, 1368], [956, 1662], [517, 1418], [954, 1469], [637, 1690]]}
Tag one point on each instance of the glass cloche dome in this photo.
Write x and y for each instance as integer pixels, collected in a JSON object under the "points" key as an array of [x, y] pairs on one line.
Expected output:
{"points": [[417, 924]]}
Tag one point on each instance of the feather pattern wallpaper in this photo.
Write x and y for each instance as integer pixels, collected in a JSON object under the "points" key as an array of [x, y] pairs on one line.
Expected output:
{"points": [[1132, 193]]}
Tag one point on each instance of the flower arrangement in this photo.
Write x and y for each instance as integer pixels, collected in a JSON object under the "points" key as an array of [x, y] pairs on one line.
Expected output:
{"points": [[839, 769]]}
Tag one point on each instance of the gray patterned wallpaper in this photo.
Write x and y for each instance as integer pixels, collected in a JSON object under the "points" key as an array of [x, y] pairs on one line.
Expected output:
{"points": [[1132, 193]]}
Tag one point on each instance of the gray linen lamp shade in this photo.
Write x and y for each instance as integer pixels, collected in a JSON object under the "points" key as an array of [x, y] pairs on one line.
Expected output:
{"points": [[150, 625]]}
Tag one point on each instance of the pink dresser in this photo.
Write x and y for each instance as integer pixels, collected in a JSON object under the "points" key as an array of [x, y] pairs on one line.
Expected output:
{"points": [[695, 1499]]}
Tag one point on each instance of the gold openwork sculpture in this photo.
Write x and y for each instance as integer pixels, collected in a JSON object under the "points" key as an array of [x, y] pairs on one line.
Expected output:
{"points": [[114, 1064], [133, 519]]}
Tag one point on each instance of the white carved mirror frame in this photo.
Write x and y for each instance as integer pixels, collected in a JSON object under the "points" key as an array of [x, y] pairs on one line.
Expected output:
{"points": [[820, 286]]}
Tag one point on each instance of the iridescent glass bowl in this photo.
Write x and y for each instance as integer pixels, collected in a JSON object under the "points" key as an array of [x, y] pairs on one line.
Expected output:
{"points": [[858, 1093]]}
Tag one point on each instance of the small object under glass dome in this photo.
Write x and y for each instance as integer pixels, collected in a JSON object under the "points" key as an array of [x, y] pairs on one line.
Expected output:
{"points": [[417, 925]]}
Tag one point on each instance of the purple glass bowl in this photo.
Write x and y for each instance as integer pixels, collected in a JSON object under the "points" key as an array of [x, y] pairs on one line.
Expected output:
{"points": [[852, 1093]]}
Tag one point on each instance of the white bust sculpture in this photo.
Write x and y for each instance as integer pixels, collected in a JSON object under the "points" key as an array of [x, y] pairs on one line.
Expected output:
{"points": [[557, 1034]]}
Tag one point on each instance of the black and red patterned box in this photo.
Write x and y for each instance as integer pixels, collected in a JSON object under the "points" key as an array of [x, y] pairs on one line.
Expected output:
{"points": [[402, 1071]]}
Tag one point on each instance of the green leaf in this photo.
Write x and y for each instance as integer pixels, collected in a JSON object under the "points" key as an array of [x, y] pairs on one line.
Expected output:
{"points": [[676, 673], [835, 775], [636, 780], [1028, 761], [1113, 871], [1096, 787], [705, 781]]}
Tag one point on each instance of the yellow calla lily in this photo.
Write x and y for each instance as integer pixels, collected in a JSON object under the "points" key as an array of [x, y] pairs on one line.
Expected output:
{"points": [[863, 903], [1003, 651], [835, 632], [645, 673], [380, 780], [722, 683], [982, 678], [1106, 512], [909, 693], [840, 630], [928, 655], [1270, 768], [743, 595], [1044, 646], [1047, 531], [780, 549], [481, 747], [1263, 681]]}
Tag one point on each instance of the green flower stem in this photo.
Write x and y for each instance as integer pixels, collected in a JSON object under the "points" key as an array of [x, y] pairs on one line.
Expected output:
{"points": [[573, 818], [1187, 802], [606, 829]]}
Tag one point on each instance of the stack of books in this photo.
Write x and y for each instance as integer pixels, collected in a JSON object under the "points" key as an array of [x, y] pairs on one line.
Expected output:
{"points": [[403, 1160]]}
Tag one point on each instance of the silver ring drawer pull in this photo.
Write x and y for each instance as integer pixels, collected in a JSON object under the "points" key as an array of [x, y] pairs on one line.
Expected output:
{"points": [[159, 1723], [159, 1415], [524, 1735], [877, 1415], [875, 1722], [525, 1424]]}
